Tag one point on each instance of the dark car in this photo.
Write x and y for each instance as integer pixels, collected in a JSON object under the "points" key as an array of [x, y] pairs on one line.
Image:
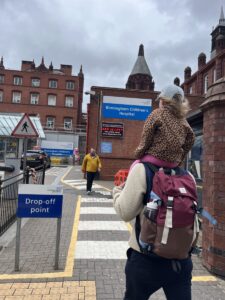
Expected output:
{"points": [[36, 158]]}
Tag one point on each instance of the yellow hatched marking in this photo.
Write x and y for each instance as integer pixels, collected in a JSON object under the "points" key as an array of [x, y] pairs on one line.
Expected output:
{"points": [[204, 278]]}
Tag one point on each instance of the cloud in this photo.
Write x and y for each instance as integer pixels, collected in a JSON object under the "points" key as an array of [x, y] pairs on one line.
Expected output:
{"points": [[104, 36]]}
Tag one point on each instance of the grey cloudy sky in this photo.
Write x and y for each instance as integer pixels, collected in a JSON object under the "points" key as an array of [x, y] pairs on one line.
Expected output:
{"points": [[104, 36]]}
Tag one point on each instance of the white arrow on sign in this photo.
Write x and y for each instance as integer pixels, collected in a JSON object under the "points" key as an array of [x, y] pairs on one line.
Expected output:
{"points": [[25, 128]]}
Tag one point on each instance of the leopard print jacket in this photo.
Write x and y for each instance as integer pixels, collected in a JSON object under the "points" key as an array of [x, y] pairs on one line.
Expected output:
{"points": [[165, 136]]}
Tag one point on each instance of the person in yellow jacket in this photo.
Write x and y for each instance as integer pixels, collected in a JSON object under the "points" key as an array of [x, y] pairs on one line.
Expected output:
{"points": [[91, 165]]}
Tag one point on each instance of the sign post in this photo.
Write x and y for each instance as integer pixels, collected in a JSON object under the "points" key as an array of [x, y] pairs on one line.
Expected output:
{"points": [[25, 129], [39, 201]]}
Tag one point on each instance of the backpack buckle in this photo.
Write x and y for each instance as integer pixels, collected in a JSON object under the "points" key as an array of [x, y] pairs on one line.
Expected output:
{"points": [[170, 202]]}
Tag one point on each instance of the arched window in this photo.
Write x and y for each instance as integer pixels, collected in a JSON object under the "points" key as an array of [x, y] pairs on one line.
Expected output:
{"points": [[206, 82]]}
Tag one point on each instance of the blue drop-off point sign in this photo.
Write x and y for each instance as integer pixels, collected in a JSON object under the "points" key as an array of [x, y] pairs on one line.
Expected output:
{"points": [[39, 201]]}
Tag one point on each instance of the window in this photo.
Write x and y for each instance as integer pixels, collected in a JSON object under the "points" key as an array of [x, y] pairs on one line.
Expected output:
{"points": [[67, 123], [69, 101], [2, 79], [214, 75], [52, 84], [52, 100], [34, 98], [70, 85], [1, 96], [16, 97], [50, 123], [35, 82], [190, 90], [206, 81], [17, 80]]}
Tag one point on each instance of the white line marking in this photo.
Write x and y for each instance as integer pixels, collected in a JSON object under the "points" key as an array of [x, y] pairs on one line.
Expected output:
{"points": [[96, 200], [98, 210], [102, 225], [101, 250]]}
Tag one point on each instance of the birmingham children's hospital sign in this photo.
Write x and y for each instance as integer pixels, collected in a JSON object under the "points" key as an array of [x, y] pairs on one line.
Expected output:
{"points": [[40, 201], [126, 108]]}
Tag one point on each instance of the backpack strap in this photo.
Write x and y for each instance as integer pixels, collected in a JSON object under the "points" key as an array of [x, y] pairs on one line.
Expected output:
{"points": [[150, 171], [168, 220]]}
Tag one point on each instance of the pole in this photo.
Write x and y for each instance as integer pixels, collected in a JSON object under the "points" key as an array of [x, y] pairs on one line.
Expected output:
{"points": [[17, 253], [24, 157], [100, 96], [57, 243]]}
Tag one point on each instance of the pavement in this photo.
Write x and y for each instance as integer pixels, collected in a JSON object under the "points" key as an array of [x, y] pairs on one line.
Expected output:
{"points": [[92, 250]]}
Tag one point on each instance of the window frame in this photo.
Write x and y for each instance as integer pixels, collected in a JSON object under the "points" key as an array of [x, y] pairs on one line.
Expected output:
{"points": [[36, 103], [1, 96], [20, 80], [50, 95], [65, 121], [68, 83], [47, 122], [35, 78], [3, 77], [13, 93], [206, 83], [53, 80], [67, 100]]}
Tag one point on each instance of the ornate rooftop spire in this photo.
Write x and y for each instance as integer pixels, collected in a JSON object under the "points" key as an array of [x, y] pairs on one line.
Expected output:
{"points": [[221, 20], [2, 64], [81, 71], [42, 66], [140, 77], [140, 66], [51, 66], [141, 50]]}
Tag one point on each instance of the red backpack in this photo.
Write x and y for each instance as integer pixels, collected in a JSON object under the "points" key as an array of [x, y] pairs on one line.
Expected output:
{"points": [[170, 223]]}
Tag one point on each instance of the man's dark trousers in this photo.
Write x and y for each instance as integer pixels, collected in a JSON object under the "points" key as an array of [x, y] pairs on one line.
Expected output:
{"points": [[146, 275], [90, 179]]}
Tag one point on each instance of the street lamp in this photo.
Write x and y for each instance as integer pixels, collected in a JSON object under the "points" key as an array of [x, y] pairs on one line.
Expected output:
{"points": [[99, 96]]}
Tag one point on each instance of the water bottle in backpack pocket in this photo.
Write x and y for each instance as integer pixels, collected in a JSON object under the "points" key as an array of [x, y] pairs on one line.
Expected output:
{"points": [[148, 230]]}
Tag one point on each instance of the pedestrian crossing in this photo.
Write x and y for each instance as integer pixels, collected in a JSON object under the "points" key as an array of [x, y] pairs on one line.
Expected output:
{"points": [[80, 184], [55, 171], [103, 238]]}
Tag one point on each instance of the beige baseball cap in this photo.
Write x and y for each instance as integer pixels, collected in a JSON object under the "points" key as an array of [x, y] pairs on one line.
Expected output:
{"points": [[170, 91]]}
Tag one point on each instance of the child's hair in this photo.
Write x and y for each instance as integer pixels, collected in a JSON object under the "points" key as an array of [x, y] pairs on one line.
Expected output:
{"points": [[178, 105]]}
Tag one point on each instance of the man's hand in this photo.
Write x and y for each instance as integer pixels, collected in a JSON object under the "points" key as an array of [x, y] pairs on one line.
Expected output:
{"points": [[99, 169]]}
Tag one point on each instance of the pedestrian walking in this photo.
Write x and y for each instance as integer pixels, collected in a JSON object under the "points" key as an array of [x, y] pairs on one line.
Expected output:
{"points": [[165, 141], [91, 166]]}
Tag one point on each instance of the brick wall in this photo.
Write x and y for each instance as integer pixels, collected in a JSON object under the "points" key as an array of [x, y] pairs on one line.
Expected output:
{"points": [[122, 149], [213, 178]]}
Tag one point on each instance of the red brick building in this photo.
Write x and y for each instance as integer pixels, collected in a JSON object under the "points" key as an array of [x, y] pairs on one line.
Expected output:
{"points": [[208, 72], [54, 94], [139, 87]]}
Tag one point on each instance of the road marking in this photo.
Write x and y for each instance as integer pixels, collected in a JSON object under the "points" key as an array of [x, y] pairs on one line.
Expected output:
{"points": [[204, 278], [101, 250], [96, 200], [102, 225], [97, 210]]}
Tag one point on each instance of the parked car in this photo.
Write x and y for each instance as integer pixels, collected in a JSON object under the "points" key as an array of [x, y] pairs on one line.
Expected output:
{"points": [[36, 158]]}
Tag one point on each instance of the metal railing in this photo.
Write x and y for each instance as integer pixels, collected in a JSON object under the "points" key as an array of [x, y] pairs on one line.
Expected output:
{"points": [[9, 194]]}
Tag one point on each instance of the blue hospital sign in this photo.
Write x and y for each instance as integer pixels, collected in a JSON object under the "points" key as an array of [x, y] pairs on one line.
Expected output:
{"points": [[39, 201], [126, 108]]}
